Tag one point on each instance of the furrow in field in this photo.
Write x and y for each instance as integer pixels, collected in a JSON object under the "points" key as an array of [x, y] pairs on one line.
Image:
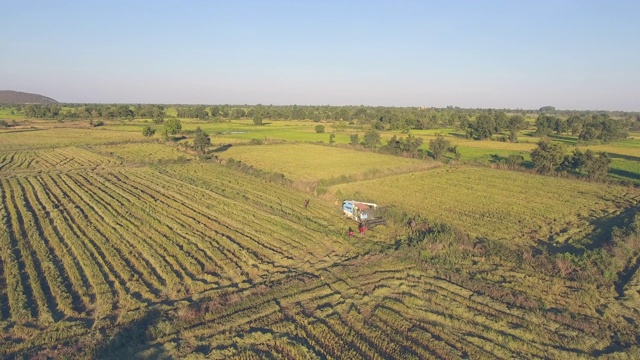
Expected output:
{"points": [[140, 209], [18, 288], [7, 161], [438, 326], [72, 267], [103, 218], [50, 263], [369, 331], [88, 258], [229, 234], [253, 221], [5, 311], [258, 194], [360, 343], [96, 230], [30, 269]]}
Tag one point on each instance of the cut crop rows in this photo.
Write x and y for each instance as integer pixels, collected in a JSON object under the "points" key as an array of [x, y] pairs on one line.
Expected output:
{"points": [[87, 244], [52, 159], [383, 310]]}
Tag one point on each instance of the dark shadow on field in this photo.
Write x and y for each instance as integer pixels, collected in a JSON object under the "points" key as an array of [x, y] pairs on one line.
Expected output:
{"points": [[221, 148], [597, 239], [570, 140], [623, 157], [129, 337], [178, 138], [625, 174], [552, 248], [497, 159], [21, 130], [430, 154], [458, 135], [527, 164], [500, 159]]}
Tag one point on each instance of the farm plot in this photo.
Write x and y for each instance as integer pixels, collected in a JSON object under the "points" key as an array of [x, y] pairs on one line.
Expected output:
{"points": [[52, 159], [513, 206], [87, 245], [314, 162], [383, 309], [61, 137], [142, 152]]}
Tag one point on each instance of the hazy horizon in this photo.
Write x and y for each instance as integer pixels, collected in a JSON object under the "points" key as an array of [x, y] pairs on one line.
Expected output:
{"points": [[574, 55]]}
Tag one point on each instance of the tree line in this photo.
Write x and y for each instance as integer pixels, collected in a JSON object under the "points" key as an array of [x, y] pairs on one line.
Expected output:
{"points": [[477, 124], [551, 158]]}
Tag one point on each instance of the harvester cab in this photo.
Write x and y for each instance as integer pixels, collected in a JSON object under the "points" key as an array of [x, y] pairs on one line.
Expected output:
{"points": [[362, 212]]}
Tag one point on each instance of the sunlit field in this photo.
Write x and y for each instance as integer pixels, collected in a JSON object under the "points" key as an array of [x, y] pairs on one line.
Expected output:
{"points": [[313, 162], [517, 208]]}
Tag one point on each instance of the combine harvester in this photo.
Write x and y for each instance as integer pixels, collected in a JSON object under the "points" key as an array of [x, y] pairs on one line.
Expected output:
{"points": [[362, 212]]}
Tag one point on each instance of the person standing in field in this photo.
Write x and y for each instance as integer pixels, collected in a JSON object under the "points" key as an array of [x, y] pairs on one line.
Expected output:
{"points": [[350, 231], [361, 227], [306, 203]]}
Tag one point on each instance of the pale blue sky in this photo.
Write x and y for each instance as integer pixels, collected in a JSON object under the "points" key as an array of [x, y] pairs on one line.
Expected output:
{"points": [[504, 54]]}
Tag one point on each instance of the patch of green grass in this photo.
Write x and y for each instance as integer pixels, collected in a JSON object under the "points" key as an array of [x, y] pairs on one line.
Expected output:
{"points": [[6, 113], [625, 170]]}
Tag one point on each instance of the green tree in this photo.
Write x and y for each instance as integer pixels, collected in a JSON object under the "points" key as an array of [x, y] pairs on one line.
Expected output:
{"points": [[602, 127], [547, 157], [201, 141], [514, 160], [399, 146], [439, 146], [340, 126], [158, 117], [371, 139], [455, 152], [354, 139], [172, 126], [560, 126], [462, 121], [515, 124], [574, 122], [148, 131], [587, 164], [598, 167], [501, 121], [482, 128], [545, 124], [320, 129]]}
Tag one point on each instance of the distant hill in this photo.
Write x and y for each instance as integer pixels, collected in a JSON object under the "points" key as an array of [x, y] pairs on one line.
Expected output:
{"points": [[17, 97]]}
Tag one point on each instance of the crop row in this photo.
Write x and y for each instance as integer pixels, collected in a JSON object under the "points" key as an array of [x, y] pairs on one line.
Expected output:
{"points": [[53, 159], [383, 314], [86, 244], [274, 199]]}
